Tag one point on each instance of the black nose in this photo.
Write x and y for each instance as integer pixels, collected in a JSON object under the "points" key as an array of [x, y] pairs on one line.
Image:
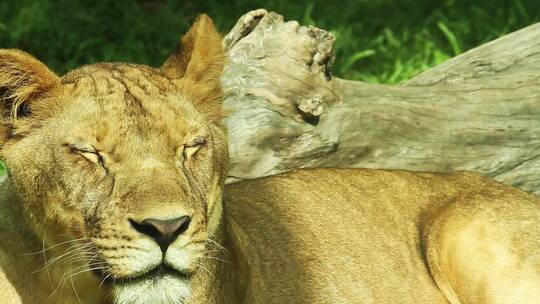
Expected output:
{"points": [[164, 232]]}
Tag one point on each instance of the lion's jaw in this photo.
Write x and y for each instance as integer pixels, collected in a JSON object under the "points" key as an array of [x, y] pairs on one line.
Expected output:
{"points": [[166, 289]]}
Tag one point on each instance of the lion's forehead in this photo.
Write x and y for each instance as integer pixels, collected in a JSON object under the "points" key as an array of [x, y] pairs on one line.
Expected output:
{"points": [[106, 78], [129, 90], [124, 103]]}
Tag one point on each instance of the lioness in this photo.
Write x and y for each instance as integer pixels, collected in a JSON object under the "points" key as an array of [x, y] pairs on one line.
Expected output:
{"points": [[116, 195]]}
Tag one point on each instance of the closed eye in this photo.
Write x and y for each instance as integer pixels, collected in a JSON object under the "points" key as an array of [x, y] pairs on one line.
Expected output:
{"points": [[88, 152], [192, 147]]}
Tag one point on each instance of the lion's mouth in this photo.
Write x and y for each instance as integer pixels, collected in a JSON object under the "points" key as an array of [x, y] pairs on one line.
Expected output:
{"points": [[153, 275]]}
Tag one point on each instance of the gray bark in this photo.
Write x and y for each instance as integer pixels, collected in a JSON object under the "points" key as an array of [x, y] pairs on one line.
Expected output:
{"points": [[479, 111]]}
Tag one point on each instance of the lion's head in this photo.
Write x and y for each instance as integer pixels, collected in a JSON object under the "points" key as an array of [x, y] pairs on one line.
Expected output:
{"points": [[127, 160]]}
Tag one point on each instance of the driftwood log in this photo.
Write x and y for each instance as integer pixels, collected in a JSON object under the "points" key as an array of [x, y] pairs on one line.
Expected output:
{"points": [[479, 111]]}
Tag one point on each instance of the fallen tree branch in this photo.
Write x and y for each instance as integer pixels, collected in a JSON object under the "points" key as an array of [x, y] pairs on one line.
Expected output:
{"points": [[479, 111]]}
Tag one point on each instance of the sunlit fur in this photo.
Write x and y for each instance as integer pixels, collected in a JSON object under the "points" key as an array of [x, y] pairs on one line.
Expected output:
{"points": [[167, 290], [71, 209], [309, 236]]}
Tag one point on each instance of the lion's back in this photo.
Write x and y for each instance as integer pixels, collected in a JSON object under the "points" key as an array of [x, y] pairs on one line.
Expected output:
{"points": [[342, 227]]}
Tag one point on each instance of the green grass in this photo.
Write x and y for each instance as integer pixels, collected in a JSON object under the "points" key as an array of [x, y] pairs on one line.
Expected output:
{"points": [[384, 41]]}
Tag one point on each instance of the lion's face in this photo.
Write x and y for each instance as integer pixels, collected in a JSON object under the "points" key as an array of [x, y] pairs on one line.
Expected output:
{"points": [[126, 161]]}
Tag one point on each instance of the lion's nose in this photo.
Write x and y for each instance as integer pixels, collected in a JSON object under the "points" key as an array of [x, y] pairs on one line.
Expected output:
{"points": [[164, 232]]}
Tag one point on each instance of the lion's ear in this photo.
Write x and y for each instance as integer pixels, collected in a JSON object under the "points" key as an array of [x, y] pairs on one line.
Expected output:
{"points": [[24, 81], [196, 66], [199, 55]]}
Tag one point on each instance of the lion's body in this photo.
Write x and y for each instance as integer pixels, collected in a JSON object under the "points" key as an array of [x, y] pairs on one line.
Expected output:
{"points": [[365, 236], [116, 195], [335, 236]]}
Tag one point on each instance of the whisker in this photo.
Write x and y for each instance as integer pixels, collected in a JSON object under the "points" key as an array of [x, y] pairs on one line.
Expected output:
{"points": [[86, 266], [216, 243], [52, 261], [78, 257], [54, 246], [206, 269], [74, 289], [60, 282], [104, 279], [45, 256], [71, 251], [86, 257], [210, 250], [216, 258], [88, 270]]}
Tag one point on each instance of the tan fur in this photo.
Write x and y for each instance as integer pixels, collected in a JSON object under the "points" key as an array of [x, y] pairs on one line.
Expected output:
{"points": [[111, 143]]}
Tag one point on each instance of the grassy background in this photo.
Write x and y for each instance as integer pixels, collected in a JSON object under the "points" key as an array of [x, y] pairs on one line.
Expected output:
{"points": [[377, 40], [384, 41]]}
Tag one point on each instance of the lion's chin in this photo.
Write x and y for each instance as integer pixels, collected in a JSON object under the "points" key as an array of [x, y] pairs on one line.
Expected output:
{"points": [[166, 289]]}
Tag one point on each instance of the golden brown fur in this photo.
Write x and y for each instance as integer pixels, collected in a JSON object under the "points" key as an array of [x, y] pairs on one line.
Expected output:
{"points": [[94, 153]]}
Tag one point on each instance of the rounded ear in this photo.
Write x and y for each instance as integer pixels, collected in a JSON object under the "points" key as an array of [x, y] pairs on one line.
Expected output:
{"points": [[24, 81], [199, 55], [196, 67]]}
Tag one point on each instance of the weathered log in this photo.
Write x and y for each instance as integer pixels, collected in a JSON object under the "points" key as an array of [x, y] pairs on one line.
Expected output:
{"points": [[479, 111]]}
